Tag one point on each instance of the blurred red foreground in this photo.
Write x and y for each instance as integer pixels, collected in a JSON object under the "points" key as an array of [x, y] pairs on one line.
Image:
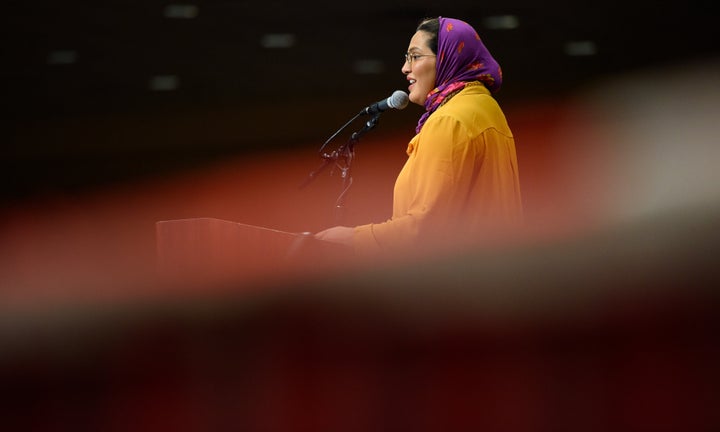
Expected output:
{"points": [[601, 316]]}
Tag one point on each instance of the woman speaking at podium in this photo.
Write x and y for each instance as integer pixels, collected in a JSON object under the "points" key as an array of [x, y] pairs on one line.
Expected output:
{"points": [[460, 182]]}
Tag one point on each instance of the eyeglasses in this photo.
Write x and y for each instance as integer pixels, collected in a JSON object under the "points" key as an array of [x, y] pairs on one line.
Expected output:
{"points": [[410, 58]]}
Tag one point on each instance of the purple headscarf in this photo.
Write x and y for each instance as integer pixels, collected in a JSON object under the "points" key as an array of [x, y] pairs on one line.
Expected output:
{"points": [[461, 58]]}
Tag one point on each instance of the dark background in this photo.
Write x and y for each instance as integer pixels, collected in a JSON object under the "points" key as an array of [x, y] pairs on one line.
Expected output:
{"points": [[81, 112]]}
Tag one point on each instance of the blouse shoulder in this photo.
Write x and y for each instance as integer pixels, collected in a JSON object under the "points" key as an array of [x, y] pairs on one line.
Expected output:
{"points": [[475, 109]]}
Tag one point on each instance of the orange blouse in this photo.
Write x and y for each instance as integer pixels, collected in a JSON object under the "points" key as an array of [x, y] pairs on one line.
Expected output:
{"points": [[460, 180]]}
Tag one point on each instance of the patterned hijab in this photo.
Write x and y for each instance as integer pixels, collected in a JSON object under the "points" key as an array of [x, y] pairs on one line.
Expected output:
{"points": [[461, 58]]}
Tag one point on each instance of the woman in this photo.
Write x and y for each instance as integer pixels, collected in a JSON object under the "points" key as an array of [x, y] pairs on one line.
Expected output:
{"points": [[460, 182]]}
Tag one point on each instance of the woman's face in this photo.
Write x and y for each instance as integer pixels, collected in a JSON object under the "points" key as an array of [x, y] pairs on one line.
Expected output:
{"points": [[419, 68]]}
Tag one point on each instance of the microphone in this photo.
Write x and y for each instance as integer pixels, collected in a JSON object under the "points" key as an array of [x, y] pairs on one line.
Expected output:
{"points": [[398, 100]]}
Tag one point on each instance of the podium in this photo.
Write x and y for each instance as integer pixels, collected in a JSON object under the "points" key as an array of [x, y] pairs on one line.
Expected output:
{"points": [[211, 250]]}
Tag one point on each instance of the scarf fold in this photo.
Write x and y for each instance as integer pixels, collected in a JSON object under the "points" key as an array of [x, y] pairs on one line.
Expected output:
{"points": [[461, 58]]}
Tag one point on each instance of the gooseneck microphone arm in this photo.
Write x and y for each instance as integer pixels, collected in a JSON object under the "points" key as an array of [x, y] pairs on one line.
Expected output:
{"points": [[343, 156], [348, 154], [332, 137], [331, 157]]}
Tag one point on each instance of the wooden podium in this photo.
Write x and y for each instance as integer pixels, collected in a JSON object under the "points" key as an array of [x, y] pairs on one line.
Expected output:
{"points": [[208, 249]]}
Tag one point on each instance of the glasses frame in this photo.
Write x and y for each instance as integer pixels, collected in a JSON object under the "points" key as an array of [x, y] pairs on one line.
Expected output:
{"points": [[412, 58]]}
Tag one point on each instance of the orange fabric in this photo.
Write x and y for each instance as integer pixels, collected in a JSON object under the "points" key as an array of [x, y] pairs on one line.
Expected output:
{"points": [[460, 179]]}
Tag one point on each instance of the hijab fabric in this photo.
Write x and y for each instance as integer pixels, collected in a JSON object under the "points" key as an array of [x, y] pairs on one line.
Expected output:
{"points": [[461, 58]]}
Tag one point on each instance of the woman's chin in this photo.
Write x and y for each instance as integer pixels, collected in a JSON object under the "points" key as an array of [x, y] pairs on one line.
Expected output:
{"points": [[417, 100]]}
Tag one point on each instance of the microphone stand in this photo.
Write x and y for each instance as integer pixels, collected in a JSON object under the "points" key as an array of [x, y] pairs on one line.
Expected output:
{"points": [[342, 158]]}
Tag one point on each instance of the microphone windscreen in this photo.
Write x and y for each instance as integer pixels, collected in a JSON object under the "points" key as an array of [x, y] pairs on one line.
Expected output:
{"points": [[398, 100]]}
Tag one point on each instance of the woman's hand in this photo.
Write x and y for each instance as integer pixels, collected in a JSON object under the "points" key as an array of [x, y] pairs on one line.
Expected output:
{"points": [[339, 234]]}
